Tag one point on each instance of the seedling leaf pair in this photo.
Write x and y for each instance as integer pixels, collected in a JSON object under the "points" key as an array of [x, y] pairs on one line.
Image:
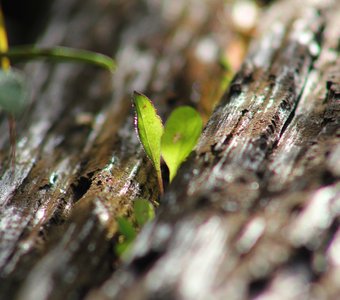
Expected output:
{"points": [[174, 142]]}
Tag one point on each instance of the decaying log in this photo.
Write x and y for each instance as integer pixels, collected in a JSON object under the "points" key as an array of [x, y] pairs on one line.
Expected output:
{"points": [[79, 164], [254, 213]]}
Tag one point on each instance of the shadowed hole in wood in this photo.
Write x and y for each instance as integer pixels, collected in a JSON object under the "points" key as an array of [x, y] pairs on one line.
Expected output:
{"points": [[45, 187], [215, 150], [285, 104], [203, 201], [235, 90], [296, 209], [263, 142], [302, 257], [256, 287], [244, 111], [143, 264], [328, 178], [227, 139], [81, 186]]}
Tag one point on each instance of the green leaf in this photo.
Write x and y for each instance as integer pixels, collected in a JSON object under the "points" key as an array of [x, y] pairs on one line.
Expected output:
{"points": [[60, 54], [122, 249], [13, 91], [126, 229], [181, 133], [150, 130], [143, 211]]}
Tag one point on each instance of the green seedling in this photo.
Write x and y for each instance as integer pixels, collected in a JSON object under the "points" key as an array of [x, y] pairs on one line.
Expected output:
{"points": [[143, 212], [174, 142], [181, 133], [150, 130], [227, 72]]}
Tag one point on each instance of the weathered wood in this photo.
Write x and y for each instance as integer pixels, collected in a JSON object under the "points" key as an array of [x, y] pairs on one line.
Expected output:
{"points": [[79, 163], [254, 213]]}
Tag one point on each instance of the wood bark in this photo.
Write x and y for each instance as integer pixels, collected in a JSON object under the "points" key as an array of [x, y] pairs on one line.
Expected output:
{"points": [[79, 163], [254, 211]]}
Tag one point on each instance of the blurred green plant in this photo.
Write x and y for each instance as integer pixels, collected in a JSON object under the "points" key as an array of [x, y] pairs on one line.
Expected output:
{"points": [[143, 212]]}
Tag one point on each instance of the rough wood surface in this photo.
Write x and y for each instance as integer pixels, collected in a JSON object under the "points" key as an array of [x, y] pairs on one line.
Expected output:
{"points": [[254, 212], [79, 164]]}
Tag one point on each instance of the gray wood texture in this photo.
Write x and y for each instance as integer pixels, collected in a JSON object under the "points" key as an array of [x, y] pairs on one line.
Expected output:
{"points": [[252, 214]]}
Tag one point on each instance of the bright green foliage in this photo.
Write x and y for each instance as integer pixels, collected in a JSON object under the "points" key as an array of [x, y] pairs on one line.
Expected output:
{"points": [[144, 211], [150, 130], [181, 133], [126, 228], [13, 91]]}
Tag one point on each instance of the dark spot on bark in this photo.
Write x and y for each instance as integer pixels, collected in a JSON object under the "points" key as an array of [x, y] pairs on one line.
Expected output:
{"points": [[144, 263], [242, 180], [263, 142], [301, 256], [202, 201], [271, 128], [248, 78], [257, 286], [227, 139], [244, 111], [274, 123], [296, 209], [235, 89], [215, 150], [44, 187], [328, 178], [260, 174], [285, 104], [272, 78], [81, 186]]}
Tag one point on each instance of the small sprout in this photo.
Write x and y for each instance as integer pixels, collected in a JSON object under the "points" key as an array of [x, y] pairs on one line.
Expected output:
{"points": [[174, 142], [150, 130], [13, 91], [181, 132], [128, 233], [228, 72], [126, 228], [144, 211]]}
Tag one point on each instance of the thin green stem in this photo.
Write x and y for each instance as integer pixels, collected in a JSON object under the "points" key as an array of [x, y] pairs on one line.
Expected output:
{"points": [[59, 54]]}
